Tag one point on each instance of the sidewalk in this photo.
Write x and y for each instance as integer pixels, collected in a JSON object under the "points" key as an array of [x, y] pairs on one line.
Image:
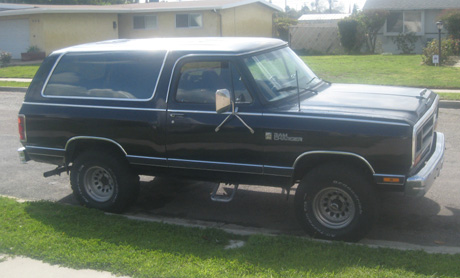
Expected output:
{"points": [[16, 79], [20, 267]]}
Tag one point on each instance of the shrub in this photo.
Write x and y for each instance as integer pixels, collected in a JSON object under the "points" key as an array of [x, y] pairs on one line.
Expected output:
{"points": [[282, 25], [405, 42], [452, 22], [372, 21], [5, 58], [351, 35], [33, 49], [449, 47]]}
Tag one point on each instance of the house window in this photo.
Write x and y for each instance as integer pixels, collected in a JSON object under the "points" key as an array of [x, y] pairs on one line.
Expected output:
{"points": [[413, 22], [189, 20], [145, 22], [404, 22]]}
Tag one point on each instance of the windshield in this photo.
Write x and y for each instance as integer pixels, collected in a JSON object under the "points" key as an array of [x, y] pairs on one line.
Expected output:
{"points": [[275, 74]]}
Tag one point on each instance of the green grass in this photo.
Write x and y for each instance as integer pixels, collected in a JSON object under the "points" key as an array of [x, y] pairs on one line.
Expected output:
{"points": [[404, 70], [449, 96], [82, 238], [19, 71], [14, 84]]}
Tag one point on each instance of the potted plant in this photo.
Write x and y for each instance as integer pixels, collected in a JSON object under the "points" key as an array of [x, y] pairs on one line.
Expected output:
{"points": [[33, 53]]}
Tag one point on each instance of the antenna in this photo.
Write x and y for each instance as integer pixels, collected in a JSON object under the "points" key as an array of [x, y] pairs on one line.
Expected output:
{"points": [[298, 90]]}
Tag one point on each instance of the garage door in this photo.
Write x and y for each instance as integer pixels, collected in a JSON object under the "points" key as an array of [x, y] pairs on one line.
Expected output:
{"points": [[14, 36]]}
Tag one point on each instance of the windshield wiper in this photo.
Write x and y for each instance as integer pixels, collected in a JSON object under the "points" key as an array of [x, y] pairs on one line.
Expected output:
{"points": [[311, 80], [288, 88], [301, 90]]}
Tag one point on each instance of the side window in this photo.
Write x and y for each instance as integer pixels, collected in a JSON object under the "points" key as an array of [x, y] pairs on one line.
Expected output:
{"points": [[199, 81], [117, 75], [239, 89]]}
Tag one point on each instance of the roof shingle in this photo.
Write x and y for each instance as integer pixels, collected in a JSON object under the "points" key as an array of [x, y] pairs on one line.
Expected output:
{"points": [[411, 4]]}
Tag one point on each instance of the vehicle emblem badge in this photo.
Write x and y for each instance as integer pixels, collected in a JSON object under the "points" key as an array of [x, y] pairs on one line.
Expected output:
{"points": [[268, 136]]}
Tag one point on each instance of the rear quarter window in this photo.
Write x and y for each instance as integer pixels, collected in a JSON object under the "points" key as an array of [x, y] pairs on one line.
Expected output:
{"points": [[113, 75]]}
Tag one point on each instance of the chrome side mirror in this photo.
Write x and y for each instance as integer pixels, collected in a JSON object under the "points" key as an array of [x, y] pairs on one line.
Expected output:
{"points": [[223, 101]]}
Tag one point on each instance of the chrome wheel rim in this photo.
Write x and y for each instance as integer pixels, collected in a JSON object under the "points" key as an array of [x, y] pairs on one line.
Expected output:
{"points": [[334, 208], [99, 184]]}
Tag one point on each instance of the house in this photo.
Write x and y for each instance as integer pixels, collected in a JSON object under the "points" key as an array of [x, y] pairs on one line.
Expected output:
{"points": [[51, 27], [405, 16], [316, 33]]}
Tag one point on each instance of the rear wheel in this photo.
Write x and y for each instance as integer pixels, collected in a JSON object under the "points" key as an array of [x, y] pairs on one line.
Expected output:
{"points": [[103, 181], [335, 201]]}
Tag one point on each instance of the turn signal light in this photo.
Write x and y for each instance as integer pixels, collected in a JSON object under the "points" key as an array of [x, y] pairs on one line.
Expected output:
{"points": [[392, 180]]}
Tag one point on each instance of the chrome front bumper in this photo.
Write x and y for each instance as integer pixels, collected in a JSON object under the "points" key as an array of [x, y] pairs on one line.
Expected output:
{"points": [[420, 183]]}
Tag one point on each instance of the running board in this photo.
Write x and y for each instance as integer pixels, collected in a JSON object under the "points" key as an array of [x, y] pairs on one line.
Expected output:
{"points": [[223, 198]]}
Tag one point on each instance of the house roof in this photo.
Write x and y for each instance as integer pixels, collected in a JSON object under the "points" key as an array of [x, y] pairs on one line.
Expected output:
{"points": [[185, 6], [325, 17], [411, 4]]}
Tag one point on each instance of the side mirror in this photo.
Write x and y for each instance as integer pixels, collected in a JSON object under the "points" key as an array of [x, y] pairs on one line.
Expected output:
{"points": [[223, 101]]}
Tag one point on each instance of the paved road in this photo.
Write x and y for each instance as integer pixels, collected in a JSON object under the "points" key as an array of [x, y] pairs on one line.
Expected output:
{"points": [[432, 220]]}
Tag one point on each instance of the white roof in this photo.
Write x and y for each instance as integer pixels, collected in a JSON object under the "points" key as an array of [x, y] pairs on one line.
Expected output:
{"points": [[230, 45], [325, 17], [18, 9]]}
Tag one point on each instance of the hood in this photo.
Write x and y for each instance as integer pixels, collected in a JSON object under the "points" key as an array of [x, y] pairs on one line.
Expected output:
{"points": [[369, 101]]}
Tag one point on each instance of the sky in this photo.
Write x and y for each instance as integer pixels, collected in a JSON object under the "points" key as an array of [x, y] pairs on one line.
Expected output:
{"points": [[297, 4]]}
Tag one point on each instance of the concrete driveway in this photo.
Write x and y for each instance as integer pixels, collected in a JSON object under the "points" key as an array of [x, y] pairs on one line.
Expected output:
{"points": [[431, 221]]}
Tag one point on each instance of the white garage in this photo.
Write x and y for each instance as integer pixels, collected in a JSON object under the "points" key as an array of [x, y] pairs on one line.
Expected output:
{"points": [[14, 36]]}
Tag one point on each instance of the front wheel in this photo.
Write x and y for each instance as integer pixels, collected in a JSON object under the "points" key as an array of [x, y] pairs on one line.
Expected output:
{"points": [[103, 181], [336, 202]]}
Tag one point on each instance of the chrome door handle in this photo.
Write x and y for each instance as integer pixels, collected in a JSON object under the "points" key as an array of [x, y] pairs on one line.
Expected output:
{"points": [[173, 115]]}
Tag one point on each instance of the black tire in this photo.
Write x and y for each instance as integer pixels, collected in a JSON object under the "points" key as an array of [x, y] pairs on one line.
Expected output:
{"points": [[335, 202], [103, 181]]}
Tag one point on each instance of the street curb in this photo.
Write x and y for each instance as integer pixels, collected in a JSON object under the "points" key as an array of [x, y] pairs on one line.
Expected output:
{"points": [[14, 89], [451, 104], [247, 231]]}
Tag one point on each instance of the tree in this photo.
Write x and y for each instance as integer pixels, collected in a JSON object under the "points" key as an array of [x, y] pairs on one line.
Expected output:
{"points": [[351, 35], [451, 19], [355, 9], [315, 5], [372, 22], [330, 5], [282, 23]]}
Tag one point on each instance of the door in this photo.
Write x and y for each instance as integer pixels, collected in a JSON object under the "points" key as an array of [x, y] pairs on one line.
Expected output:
{"points": [[192, 139], [14, 36]]}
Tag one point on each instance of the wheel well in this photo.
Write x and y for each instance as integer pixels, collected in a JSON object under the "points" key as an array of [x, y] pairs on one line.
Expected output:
{"points": [[308, 162], [76, 147]]}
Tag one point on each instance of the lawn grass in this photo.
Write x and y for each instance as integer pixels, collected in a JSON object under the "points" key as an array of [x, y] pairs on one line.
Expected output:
{"points": [[14, 84], [83, 238], [449, 96], [19, 71], [403, 70]]}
